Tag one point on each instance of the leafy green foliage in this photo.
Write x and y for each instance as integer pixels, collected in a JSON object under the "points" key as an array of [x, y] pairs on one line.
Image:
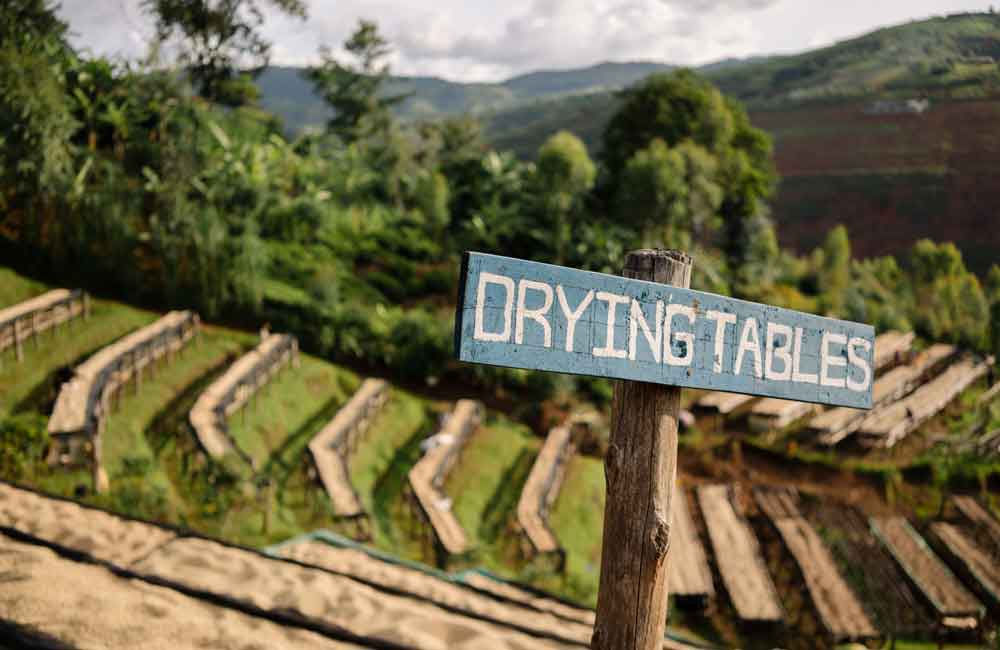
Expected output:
{"points": [[219, 38], [353, 91], [565, 174], [949, 301], [834, 268], [23, 439], [727, 161]]}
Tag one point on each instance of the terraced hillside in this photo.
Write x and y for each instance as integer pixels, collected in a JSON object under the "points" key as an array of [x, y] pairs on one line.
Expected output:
{"points": [[266, 491]]}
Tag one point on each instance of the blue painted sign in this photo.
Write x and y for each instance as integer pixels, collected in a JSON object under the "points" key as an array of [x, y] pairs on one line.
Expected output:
{"points": [[531, 315]]}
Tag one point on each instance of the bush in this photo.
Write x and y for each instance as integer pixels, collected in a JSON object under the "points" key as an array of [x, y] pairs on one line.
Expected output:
{"points": [[23, 439]]}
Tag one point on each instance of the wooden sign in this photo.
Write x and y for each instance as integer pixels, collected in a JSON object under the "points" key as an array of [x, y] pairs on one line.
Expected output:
{"points": [[525, 314]]}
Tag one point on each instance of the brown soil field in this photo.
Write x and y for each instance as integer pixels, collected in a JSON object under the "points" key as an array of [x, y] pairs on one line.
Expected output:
{"points": [[891, 179]]}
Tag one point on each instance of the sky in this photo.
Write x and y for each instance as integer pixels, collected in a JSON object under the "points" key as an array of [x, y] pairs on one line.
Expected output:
{"points": [[492, 40]]}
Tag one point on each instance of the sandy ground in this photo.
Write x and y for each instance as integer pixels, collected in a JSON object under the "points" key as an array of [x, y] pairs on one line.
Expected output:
{"points": [[326, 599], [85, 530], [360, 564], [86, 606]]}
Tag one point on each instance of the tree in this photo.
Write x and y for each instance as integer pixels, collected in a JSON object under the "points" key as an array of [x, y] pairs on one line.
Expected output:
{"points": [[949, 303], [432, 196], [36, 122], [22, 21], [220, 41], [992, 290], [353, 90], [682, 107], [565, 173], [651, 192], [835, 273], [672, 191]]}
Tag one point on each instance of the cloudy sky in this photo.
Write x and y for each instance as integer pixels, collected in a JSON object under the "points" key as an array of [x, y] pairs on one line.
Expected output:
{"points": [[490, 40]]}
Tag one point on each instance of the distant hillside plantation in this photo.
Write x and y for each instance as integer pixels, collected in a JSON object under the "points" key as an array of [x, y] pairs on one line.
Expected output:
{"points": [[847, 147], [891, 178]]}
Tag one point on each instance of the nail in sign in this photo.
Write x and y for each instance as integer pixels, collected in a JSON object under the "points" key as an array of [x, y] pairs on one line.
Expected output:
{"points": [[525, 314]]}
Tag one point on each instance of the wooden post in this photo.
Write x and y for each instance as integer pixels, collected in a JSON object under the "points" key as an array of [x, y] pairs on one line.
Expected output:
{"points": [[640, 470], [18, 349]]}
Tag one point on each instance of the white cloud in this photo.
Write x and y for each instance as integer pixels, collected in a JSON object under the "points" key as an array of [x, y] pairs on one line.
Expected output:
{"points": [[488, 40]]}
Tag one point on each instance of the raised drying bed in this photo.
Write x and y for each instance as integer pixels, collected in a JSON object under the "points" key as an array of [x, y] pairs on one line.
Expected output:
{"points": [[773, 414], [688, 574], [541, 489], [332, 446], [839, 609], [955, 607], [738, 557], [78, 417], [363, 604], [724, 404], [892, 348], [427, 477], [985, 525], [28, 319], [233, 390], [974, 561], [450, 592], [890, 425], [837, 424]]}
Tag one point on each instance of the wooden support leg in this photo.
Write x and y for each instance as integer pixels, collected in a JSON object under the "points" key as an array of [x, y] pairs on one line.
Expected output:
{"points": [[641, 470], [18, 350]]}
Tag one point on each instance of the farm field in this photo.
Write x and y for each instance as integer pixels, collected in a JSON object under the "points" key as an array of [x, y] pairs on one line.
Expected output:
{"points": [[157, 471], [903, 176]]}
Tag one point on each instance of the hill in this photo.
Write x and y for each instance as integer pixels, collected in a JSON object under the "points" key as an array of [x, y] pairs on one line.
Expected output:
{"points": [[854, 141], [285, 93], [941, 58]]}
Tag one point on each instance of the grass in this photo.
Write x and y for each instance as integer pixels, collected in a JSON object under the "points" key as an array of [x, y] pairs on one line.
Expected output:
{"points": [[32, 384], [399, 420], [16, 288], [286, 405], [482, 483], [578, 519], [125, 449]]}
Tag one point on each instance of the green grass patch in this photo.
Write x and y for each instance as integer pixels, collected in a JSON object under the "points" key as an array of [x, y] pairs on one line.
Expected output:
{"points": [[482, 484], [399, 420], [577, 517], [286, 405], [126, 453], [16, 288], [32, 385]]}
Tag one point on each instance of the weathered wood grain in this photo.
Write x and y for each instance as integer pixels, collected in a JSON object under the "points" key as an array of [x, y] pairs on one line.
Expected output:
{"points": [[839, 609], [525, 314], [641, 472]]}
